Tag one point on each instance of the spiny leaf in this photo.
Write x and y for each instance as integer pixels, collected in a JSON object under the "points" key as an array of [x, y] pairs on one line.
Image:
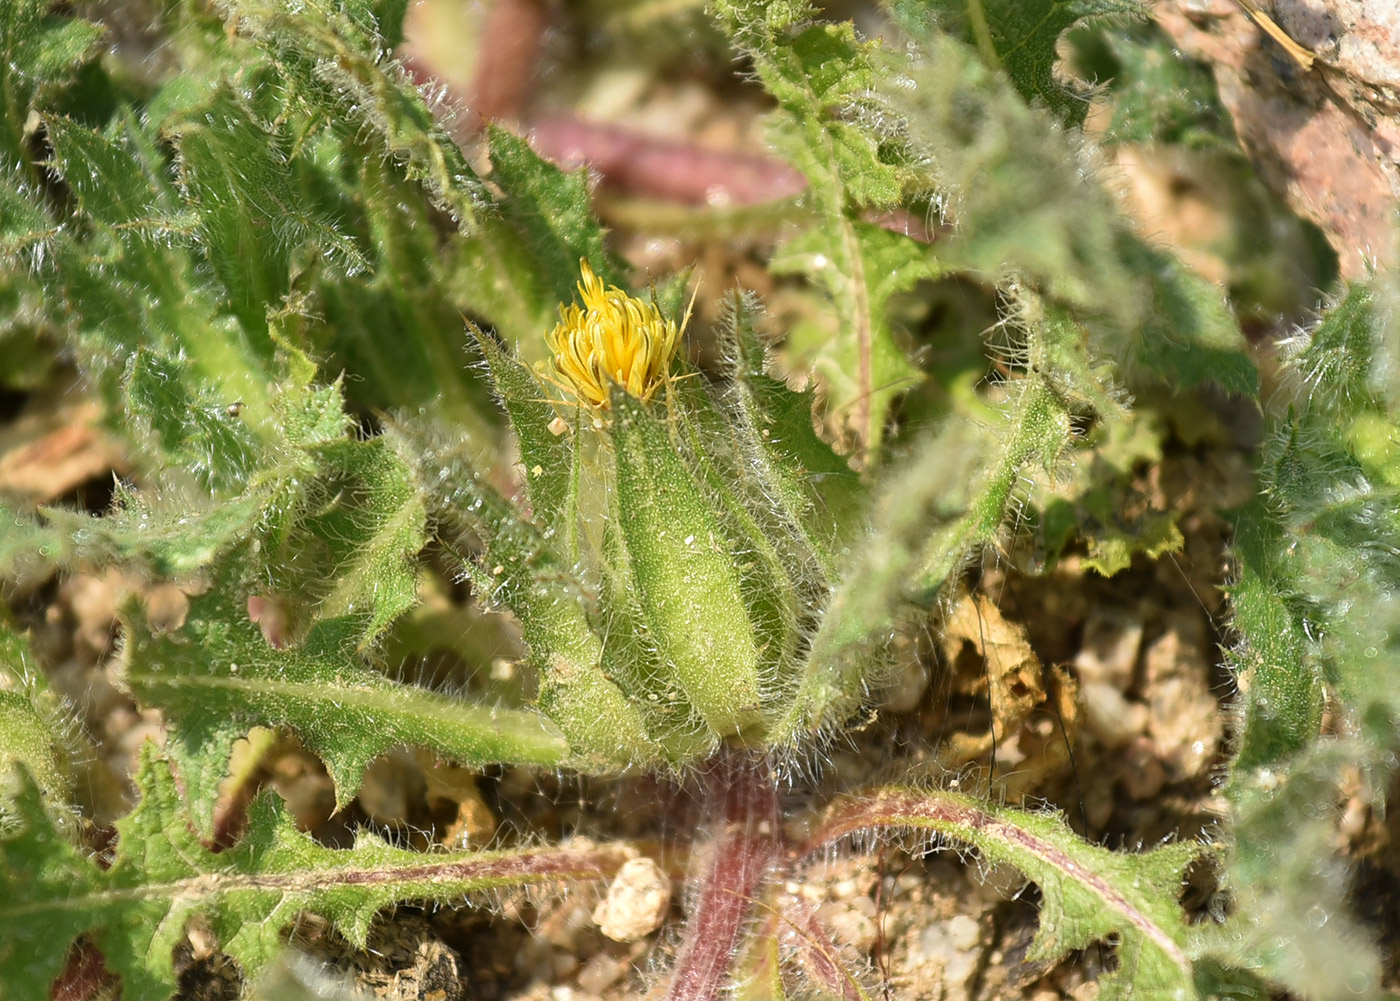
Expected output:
{"points": [[217, 676], [822, 77], [105, 177], [163, 876], [1020, 37], [255, 470], [32, 734], [523, 260], [948, 499], [1315, 609], [1088, 893], [367, 535], [37, 51], [235, 170], [344, 74], [1028, 211], [818, 492], [407, 285]]}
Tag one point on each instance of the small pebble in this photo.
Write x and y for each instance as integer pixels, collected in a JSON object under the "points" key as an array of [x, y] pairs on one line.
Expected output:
{"points": [[636, 903]]}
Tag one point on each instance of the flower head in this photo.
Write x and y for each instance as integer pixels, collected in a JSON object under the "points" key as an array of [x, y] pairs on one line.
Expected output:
{"points": [[613, 338]]}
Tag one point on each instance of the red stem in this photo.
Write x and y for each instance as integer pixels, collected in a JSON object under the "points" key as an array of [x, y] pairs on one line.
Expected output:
{"points": [[746, 848]]}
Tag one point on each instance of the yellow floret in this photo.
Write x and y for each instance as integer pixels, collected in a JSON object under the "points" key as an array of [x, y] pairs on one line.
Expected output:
{"points": [[613, 338]]}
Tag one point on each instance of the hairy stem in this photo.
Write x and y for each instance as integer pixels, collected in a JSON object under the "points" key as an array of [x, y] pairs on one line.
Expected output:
{"points": [[745, 849]]}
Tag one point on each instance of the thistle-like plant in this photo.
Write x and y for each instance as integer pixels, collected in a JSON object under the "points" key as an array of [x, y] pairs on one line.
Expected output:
{"points": [[708, 590]]}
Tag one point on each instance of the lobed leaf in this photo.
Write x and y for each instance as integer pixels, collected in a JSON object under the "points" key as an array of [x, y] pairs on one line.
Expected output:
{"points": [[1088, 893], [335, 54], [138, 910], [217, 676], [946, 501], [521, 571], [822, 77], [1313, 601], [1029, 213], [1021, 38]]}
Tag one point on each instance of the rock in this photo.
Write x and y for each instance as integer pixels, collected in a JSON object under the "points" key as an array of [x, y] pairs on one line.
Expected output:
{"points": [[1110, 649], [1184, 720], [637, 901], [1112, 718]]}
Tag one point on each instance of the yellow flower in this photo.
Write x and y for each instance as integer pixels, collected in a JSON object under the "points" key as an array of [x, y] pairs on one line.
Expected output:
{"points": [[613, 338]]}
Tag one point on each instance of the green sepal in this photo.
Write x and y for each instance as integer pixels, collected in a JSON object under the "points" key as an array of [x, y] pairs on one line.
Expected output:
{"points": [[818, 493], [548, 457], [686, 576], [520, 570]]}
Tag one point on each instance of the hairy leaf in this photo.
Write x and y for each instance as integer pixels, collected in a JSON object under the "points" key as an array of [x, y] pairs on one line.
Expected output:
{"points": [[163, 876], [1028, 212], [218, 675], [821, 76], [520, 570], [345, 75], [37, 52], [1088, 893], [1021, 37], [1319, 559]]}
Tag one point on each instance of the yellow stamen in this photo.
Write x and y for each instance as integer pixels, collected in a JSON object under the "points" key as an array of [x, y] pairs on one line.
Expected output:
{"points": [[612, 338]]}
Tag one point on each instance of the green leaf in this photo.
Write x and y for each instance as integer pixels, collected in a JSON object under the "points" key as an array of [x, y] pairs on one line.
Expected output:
{"points": [[1098, 499], [817, 492], [948, 499], [1282, 694], [31, 734], [1019, 37], [686, 577], [1088, 893], [211, 436], [405, 286], [163, 876], [366, 535], [1188, 335], [105, 177], [822, 78], [340, 75], [1314, 606], [235, 170], [1157, 96], [1029, 213], [37, 52], [217, 676]]}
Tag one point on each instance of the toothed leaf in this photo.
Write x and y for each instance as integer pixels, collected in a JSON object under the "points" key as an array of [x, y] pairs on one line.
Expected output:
{"points": [[163, 876], [1021, 37], [1088, 893]]}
